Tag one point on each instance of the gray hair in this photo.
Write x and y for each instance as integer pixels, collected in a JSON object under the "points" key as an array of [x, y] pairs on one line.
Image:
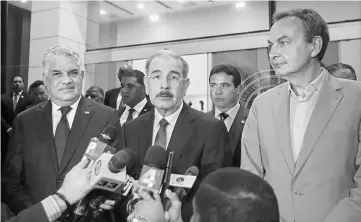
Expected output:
{"points": [[168, 54], [61, 51]]}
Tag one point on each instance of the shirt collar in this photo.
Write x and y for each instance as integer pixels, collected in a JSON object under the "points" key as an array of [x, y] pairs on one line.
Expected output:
{"points": [[20, 93], [55, 108], [231, 113], [139, 106], [316, 84], [171, 119]]}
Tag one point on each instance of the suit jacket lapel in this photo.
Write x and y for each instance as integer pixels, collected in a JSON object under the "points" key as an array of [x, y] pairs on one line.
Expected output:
{"points": [[80, 123], [45, 124], [236, 129], [182, 132], [145, 138], [281, 112], [148, 106], [327, 101]]}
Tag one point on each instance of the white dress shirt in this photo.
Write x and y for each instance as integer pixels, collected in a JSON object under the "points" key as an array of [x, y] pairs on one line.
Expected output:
{"points": [[301, 108], [232, 113], [56, 114], [18, 97], [172, 119], [119, 100], [138, 108]]}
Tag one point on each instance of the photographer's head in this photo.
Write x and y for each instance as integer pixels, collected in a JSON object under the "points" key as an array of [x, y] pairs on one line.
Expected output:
{"points": [[232, 194], [62, 75]]}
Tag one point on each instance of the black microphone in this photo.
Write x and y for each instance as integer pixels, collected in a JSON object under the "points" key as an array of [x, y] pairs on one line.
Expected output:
{"points": [[95, 149], [166, 178], [181, 192], [151, 176]]}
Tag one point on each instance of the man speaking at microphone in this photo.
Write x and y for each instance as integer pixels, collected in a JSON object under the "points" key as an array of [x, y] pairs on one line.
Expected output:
{"points": [[195, 138], [51, 137]]}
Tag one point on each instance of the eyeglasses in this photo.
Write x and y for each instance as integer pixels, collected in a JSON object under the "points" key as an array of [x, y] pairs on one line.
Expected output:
{"points": [[172, 79]]}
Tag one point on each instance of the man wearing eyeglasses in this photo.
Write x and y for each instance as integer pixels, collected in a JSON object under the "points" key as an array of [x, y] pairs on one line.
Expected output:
{"points": [[196, 138], [133, 92]]}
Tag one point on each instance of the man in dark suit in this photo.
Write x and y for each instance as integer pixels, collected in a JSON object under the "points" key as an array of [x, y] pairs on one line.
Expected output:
{"points": [[224, 84], [113, 97], [196, 138], [50, 138], [11, 105], [134, 96]]}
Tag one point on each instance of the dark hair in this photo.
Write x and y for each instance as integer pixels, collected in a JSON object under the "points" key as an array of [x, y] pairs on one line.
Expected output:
{"points": [[333, 68], [122, 70], [313, 25], [35, 84], [12, 79], [232, 194], [229, 70], [135, 73], [95, 88]]}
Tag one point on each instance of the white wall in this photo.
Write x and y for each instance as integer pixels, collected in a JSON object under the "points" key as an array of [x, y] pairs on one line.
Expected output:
{"points": [[350, 53], [331, 11]]}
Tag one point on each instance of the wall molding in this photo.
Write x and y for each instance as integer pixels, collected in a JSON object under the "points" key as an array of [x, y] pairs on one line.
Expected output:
{"points": [[339, 31]]}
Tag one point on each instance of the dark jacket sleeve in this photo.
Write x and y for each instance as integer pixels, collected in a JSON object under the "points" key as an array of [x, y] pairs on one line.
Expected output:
{"points": [[107, 98], [13, 172], [36, 213]]}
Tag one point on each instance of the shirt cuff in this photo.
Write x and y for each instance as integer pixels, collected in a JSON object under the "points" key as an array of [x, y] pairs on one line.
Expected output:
{"points": [[52, 208]]}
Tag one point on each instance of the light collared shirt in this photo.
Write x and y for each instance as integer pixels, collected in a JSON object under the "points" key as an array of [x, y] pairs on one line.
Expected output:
{"points": [[138, 108], [232, 113], [172, 119], [56, 114], [53, 209], [301, 108], [119, 100]]}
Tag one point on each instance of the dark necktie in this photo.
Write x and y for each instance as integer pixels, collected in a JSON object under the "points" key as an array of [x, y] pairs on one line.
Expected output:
{"points": [[161, 137], [223, 116], [62, 133], [130, 114], [15, 100]]}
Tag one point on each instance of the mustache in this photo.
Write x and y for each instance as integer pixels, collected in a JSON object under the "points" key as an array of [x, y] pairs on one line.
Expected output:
{"points": [[165, 93], [67, 87]]}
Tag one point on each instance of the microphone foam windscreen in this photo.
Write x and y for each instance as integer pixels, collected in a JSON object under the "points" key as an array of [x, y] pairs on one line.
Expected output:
{"points": [[125, 157], [156, 156], [193, 170]]}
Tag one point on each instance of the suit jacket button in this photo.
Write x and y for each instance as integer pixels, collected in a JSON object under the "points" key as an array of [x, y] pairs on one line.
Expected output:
{"points": [[59, 181], [295, 194]]}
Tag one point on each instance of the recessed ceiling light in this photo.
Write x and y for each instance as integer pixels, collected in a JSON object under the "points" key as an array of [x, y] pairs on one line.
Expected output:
{"points": [[102, 12], [181, 1], [240, 4], [140, 5], [210, 1], [23, 1], [154, 18]]}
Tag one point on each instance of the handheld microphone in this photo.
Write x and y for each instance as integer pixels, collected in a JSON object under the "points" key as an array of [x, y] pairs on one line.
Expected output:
{"points": [[110, 171], [151, 177], [96, 147], [167, 176], [180, 182]]}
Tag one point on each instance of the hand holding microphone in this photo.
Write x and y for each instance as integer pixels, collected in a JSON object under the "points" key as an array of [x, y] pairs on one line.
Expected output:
{"points": [[152, 208]]}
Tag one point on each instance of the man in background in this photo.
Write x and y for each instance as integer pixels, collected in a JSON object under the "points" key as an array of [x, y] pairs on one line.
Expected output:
{"points": [[95, 93], [133, 92], [113, 97], [341, 70], [224, 84], [38, 91]]}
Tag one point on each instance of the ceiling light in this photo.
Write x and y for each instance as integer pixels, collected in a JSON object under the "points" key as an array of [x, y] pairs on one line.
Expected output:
{"points": [[154, 18], [140, 5], [102, 12], [240, 4], [181, 1], [23, 1], [210, 1]]}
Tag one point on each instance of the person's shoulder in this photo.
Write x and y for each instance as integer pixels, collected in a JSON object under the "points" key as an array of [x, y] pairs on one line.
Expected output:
{"points": [[202, 117], [110, 91]]}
